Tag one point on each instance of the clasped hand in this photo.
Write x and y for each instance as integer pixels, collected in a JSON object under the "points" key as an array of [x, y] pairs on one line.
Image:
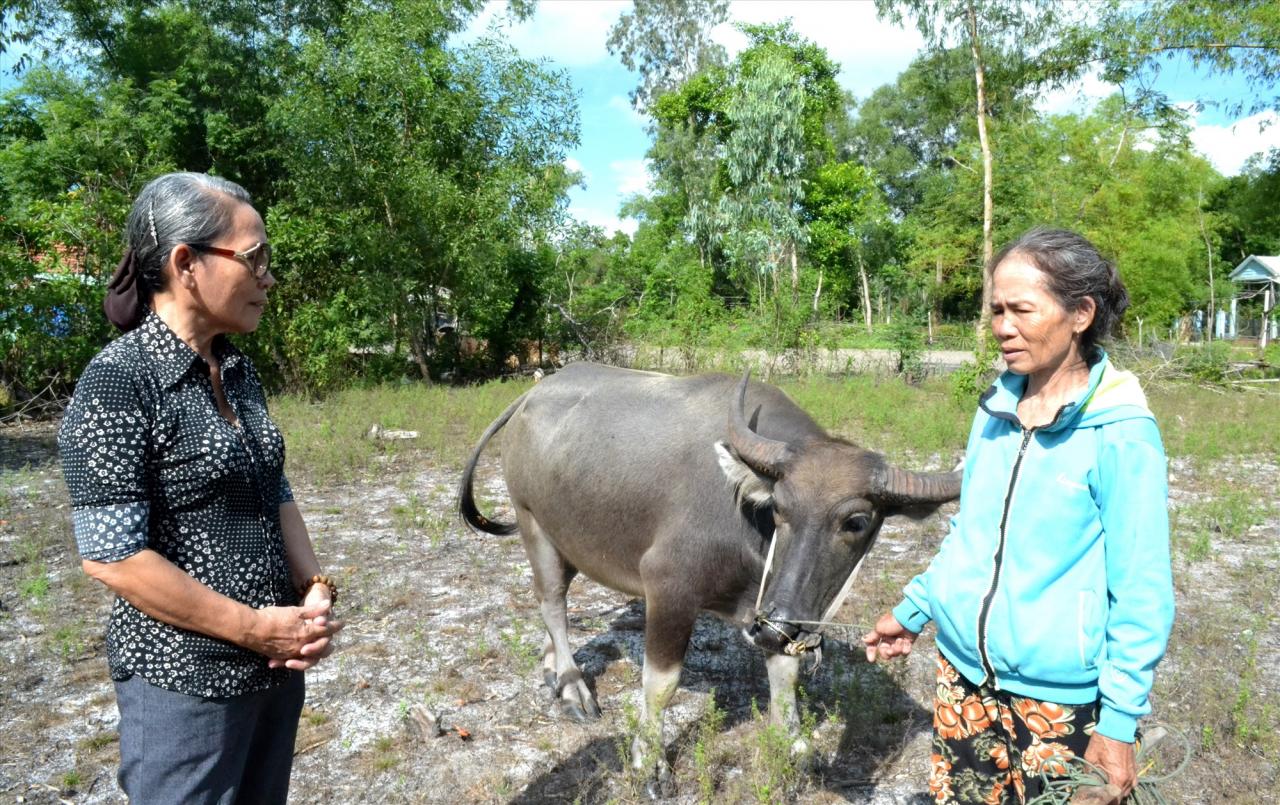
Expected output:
{"points": [[297, 637]]}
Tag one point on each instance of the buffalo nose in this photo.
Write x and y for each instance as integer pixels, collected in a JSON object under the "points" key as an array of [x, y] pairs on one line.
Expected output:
{"points": [[774, 635]]}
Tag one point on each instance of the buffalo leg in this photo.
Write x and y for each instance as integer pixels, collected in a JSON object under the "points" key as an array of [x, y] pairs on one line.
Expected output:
{"points": [[784, 671], [551, 577], [668, 627]]}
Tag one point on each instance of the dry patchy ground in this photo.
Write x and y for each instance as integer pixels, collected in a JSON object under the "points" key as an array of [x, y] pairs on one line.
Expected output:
{"points": [[445, 620]]}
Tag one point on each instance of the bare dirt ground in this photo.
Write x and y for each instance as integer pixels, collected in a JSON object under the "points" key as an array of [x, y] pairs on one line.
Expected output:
{"points": [[445, 620]]}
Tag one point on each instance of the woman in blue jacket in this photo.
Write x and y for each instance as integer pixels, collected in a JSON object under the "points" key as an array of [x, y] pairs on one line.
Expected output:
{"points": [[1052, 594]]}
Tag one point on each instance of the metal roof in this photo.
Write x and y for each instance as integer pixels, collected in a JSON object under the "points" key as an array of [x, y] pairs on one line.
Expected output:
{"points": [[1257, 268]]}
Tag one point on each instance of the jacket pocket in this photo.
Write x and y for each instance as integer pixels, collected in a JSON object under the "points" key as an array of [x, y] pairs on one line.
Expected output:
{"points": [[1089, 628]]}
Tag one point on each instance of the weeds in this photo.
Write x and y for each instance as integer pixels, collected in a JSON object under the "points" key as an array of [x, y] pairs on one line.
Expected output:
{"points": [[329, 437], [708, 732], [35, 587], [524, 653], [70, 781], [774, 774], [1227, 514], [1254, 719], [100, 741], [385, 754]]}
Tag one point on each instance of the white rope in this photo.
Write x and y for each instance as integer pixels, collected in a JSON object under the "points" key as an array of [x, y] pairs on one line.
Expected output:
{"points": [[768, 563], [838, 601]]}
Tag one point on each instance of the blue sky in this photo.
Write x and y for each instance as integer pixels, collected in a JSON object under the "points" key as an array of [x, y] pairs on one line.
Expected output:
{"points": [[571, 35]]}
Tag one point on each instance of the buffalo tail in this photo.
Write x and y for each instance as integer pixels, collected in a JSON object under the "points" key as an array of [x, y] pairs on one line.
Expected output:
{"points": [[466, 494]]}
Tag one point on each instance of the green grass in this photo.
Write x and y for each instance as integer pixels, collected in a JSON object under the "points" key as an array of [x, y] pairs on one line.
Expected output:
{"points": [[70, 781], [99, 741], [710, 727], [1206, 425], [327, 439], [886, 414], [522, 645], [1225, 515], [35, 587]]}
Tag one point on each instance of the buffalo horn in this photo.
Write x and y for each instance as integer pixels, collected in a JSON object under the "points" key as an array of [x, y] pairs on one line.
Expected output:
{"points": [[905, 487], [764, 455]]}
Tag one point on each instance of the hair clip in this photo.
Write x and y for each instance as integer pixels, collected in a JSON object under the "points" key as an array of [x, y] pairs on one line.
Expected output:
{"points": [[151, 221]]}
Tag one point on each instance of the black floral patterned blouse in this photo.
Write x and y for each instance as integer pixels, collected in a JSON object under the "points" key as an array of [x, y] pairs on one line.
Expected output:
{"points": [[150, 463]]}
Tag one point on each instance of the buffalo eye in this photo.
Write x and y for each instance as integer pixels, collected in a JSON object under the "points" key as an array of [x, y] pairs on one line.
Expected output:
{"points": [[856, 524]]}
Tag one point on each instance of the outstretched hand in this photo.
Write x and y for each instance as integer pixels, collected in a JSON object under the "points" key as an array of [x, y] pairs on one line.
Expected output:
{"points": [[888, 639]]}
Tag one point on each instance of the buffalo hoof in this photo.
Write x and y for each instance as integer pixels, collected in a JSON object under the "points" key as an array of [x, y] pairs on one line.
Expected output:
{"points": [[577, 712], [661, 786], [576, 699], [549, 679]]}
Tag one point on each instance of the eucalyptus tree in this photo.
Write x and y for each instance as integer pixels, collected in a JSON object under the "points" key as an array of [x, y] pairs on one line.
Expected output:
{"points": [[667, 42], [1241, 38], [1014, 30], [734, 145], [764, 157]]}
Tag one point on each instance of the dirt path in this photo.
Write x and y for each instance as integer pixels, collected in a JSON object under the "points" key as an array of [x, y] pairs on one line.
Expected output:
{"points": [[443, 619]]}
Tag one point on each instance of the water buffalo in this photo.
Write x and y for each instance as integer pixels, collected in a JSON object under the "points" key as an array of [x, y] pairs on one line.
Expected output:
{"points": [[660, 487]]}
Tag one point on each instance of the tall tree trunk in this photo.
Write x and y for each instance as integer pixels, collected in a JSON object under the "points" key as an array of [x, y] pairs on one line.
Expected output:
{"points": [[866, 293], [419, 353], [984, 316], [1208, 248], [928, 324], [795, 269], [935, 310], [817, 294]]}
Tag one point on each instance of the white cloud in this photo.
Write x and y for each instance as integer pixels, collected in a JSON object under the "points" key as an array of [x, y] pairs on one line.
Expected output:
{"points": [[1229, 146], [570, 34], [1078, 97], [609, 223], [870, 52], [632, 175], [621, 104], [574, 166]]}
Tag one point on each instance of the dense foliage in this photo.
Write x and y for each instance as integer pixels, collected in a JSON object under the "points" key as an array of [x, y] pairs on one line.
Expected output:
{"points": [[409, 182]]}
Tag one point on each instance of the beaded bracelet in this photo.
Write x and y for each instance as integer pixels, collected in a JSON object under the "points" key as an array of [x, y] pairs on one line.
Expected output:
{"points": [[319, 579]]}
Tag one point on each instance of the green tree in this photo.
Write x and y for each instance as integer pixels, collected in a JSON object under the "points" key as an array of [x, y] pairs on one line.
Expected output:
{"points": [[1242, 38], [1001, 29], [1247, 205], [418, 179], [72, 154], [667, 42], [765, 159], [849, 218]]}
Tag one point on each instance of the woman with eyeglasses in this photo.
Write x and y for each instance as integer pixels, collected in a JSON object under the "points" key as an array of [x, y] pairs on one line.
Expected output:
{"points": [[182, 509]]}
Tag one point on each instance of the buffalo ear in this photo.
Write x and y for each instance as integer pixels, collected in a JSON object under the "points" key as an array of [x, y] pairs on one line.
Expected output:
{"points": [[749, 486]]}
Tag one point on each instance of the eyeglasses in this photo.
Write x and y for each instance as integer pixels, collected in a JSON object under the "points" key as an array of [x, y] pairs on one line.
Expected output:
{"points": [[256, 258]]}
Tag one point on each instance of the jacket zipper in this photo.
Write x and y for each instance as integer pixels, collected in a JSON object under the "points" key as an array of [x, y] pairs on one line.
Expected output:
{"points": [[985, 612]]}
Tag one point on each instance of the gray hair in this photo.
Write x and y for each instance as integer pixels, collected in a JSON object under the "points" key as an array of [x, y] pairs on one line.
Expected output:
{"points": [[1074, 269], [178, 208]]}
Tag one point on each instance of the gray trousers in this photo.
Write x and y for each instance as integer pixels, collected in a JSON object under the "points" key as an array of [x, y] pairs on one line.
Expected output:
{"points": [[176, 748]]}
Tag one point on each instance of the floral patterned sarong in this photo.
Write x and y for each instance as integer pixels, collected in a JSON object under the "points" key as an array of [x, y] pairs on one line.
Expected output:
{"points": [[991, 748]]}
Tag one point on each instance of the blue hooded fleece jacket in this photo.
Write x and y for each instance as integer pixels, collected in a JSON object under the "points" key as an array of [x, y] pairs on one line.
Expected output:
{"points": [[1054, 581]]}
